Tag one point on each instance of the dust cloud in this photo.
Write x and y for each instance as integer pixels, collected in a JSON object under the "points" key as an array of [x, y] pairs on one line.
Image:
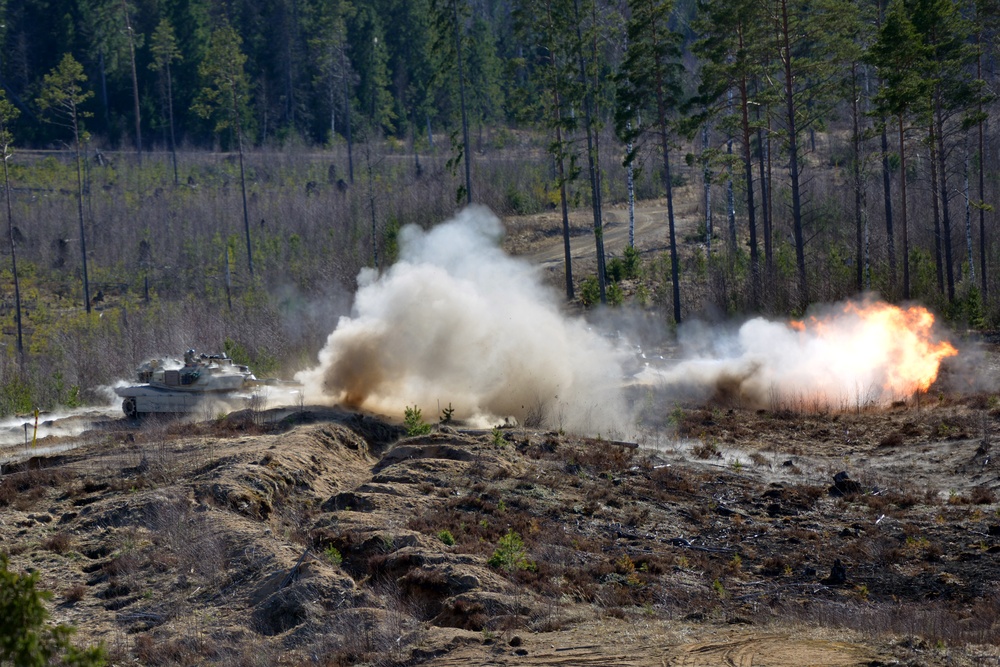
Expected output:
{"points": [[847, 355], [457, 322]]}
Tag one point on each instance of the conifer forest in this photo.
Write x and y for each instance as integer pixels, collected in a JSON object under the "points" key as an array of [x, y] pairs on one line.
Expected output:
{"points": [[215, 173]]}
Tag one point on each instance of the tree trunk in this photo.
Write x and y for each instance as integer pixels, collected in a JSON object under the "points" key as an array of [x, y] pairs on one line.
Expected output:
{"points": [[170, 115], [79, 204], [903, 227], [856, 171], [793, 161], [982, 196], [887, 200], [748, 171], [561, 169], [945, 216], [243, 180], [592, 162], [135, 84], [938, 259], [467, 157], [730, 197], [13, 259], [347, 118], [765, 209], [707, 179]]}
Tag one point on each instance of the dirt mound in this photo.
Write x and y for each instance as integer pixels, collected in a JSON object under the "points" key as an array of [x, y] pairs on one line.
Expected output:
{"points": [[329, 535]]}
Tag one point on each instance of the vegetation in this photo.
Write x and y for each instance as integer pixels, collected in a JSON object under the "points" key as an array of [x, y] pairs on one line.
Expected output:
{"points": [[507, 104], [26, 639], [414, 422]]}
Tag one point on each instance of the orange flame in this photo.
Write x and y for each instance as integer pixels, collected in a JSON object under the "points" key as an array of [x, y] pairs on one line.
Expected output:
{"points": [[900, 342]]}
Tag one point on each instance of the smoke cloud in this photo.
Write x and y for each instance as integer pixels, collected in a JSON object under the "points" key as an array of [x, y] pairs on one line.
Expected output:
{"points": [[456, 321], [845, 355]]}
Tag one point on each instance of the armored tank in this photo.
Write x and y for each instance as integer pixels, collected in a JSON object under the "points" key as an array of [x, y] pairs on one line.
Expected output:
{"points": [[175, 386]]}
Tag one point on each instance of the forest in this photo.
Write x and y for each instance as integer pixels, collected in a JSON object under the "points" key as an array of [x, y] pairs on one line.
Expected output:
{"points": [[187, 173]]}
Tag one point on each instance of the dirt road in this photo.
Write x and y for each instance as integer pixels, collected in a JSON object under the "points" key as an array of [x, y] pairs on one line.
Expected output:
{"points": [[538, 238], [621, 644]]}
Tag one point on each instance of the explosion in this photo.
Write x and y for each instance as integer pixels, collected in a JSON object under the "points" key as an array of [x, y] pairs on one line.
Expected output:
{"points": [[883, 342], [457, 322], [852, 354]]}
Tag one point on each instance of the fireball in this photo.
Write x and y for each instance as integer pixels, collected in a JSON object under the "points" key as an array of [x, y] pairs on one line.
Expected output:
{"points": [[876, 339]]}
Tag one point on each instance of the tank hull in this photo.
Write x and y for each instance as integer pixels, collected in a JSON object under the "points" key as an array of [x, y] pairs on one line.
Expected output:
{"points": [[141, 400], [168, 386]]}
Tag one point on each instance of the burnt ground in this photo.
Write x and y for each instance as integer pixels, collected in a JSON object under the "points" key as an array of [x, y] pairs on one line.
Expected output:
{"points": [[329, 538]]}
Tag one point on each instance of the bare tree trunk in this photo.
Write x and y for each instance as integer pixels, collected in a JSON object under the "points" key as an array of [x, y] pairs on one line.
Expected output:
{"points": [[945, 215], [970, 256], [793, 160], [730, 197], [79, 204], [592, 162], [748, 171], [170, 115], [347, 119], [982, 196], [135, 83], [13, 258], [467, 157], [887, 200], [243, 179], [707, 179], [939, 261], [858, 186], [904, 231]]}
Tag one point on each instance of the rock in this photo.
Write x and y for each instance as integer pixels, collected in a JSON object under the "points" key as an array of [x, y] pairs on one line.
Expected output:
{"points": [[838, 574], [843, 485]]}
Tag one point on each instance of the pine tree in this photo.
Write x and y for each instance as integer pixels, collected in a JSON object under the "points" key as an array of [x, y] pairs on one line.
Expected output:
{"points": [[733, 45], [26, 640], [899, 56], [224, 98], [449, 46], [649, 84], [163, 46], [61, 97], [954, 96], [547, 33]]}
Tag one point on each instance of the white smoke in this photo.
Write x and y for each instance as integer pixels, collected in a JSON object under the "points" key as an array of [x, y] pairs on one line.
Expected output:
{"points": [[456, 321]]}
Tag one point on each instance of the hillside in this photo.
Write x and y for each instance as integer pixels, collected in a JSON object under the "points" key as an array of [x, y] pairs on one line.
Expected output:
{"points": [[328, 537]]}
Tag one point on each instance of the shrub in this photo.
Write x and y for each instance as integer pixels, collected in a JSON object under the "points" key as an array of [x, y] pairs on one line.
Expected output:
{"points": [[414, 422], [590, 291], [510, 554], [446, 537], [25, 638], [332, 555]]}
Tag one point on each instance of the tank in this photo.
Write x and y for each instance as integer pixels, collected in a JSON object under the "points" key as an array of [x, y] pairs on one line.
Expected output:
{"points": [[175, 386]]}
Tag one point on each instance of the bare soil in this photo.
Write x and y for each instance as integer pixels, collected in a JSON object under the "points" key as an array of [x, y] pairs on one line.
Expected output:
{"points": [[328, 537]]}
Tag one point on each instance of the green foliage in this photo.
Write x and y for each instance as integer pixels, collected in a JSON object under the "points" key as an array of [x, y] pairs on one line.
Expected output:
{"points": [[225, 89], [414, 422], [26, 640], [590, 291], [510, 554], [498, 439], [447, 414], [63, 93], [631, 263], [446, 537], [332, 555], [615, 294], [15, 397]]}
